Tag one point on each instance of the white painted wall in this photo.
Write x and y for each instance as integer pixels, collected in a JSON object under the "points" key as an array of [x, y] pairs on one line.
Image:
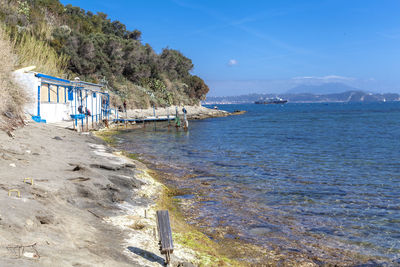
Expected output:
{"points": [[29, 82], [54, 112]]}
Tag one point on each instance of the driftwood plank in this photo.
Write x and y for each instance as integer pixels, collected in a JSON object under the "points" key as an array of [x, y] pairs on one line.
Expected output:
{"points": [[164, 232]]}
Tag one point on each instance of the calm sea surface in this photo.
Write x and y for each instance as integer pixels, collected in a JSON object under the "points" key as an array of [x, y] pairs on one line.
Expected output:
{"points": [[298, 176]]}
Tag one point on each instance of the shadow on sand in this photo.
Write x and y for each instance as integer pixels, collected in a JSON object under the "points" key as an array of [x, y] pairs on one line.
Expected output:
{"points": [[150, 256]]}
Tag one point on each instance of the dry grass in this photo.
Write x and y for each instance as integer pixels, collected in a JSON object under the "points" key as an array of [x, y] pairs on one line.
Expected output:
{"points": [[137, 225], [12, 97], [32, 51]]}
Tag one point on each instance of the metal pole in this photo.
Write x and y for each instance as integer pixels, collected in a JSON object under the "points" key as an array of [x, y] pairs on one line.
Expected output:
{"points": [[154, 114], [87, 125], [101, 107], [48, 91], [108, 107], [38, 104], [76, 95], [126, 117], [185, 122], [81, 104], [58, 98], [92, 111], [97, 107]]}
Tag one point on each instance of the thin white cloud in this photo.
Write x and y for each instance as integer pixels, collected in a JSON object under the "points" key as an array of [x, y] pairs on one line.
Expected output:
{"points": [[391, 34], [240, 24], [327, 77], [232, 62]]}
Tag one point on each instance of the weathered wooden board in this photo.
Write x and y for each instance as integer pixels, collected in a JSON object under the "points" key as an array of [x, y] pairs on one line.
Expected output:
{"points": [[164, 231]]}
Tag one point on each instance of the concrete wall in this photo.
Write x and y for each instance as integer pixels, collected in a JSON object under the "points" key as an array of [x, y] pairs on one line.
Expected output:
{"points": [[30, 83], [55, 112]]}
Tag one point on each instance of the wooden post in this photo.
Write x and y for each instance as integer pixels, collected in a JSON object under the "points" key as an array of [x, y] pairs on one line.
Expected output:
{"points": [[126, 118], [154, 114], [169, 121], [165, 235]]}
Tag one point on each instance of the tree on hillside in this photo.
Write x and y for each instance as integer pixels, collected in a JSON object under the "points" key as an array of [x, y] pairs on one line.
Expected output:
{"points": [[97, 47], [174, 64]]}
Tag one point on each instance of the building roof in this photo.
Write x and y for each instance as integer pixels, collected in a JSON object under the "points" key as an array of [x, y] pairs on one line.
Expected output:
{"points": [[63, 82]]}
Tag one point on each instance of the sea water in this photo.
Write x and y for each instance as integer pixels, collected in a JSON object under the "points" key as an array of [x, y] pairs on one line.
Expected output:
{"points": [[289, 176]]}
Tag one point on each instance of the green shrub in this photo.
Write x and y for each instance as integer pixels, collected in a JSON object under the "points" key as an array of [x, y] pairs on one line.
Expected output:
{"points": [[59, 39]]}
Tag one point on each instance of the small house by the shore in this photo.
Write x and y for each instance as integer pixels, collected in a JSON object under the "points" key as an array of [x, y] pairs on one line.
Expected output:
{"points": [[53, 99]]}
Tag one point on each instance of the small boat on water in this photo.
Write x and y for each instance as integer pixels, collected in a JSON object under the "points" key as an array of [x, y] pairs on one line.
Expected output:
{"points": [[275, 100]]}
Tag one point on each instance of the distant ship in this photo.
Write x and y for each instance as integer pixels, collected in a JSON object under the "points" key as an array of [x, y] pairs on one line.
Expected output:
{"points": [[275, 100]]}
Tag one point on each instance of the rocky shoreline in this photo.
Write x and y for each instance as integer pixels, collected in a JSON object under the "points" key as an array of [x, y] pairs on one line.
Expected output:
{"points": [[193, 112]]}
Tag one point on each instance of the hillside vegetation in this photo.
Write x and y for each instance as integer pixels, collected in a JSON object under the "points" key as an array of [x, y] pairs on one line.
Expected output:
{"points": [[12, 97], [66, 40]]}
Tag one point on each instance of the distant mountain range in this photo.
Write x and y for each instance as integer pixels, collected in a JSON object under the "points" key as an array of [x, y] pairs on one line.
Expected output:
{"points": [[325, 88], [348, 96]]}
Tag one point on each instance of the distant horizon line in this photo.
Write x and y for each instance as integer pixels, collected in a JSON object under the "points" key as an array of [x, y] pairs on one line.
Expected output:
{"points": [[285, 93]]}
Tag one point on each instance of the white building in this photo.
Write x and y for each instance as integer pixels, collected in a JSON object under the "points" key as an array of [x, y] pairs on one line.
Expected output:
{"points": [[53, 99]]}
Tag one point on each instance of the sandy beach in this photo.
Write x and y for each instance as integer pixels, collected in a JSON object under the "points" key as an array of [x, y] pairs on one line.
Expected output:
{"points": [[87, 206]]}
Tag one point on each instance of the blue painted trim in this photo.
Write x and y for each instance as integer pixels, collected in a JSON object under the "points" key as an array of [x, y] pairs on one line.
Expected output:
{"points": [[58, 98], [70, 93], [38, 119], [101, 108], [92, 109], [78, 116], [48, 91], [86, 99], [108, 106], [141, 120], [76, 121], [39, 75]]}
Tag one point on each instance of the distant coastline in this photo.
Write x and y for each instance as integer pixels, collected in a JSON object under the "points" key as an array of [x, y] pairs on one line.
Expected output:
{"points": [[348, 96]]}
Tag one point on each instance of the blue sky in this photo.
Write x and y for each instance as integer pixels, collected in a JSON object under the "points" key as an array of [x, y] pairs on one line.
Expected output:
{"points": [[268, 46]]}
